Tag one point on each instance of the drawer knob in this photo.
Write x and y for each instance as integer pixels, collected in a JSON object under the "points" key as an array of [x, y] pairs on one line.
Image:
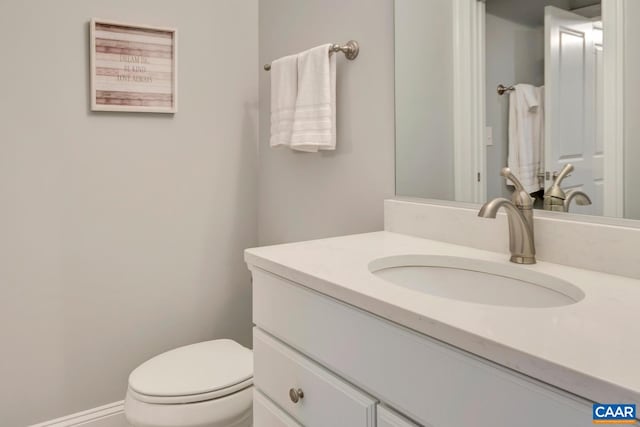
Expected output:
{"points": [[295, 394]]}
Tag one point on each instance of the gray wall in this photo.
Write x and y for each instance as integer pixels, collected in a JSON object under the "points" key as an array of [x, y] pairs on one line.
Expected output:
{"points": [[121, 234], [514, 54], [303, 195], [424, 101], [631, 109]]}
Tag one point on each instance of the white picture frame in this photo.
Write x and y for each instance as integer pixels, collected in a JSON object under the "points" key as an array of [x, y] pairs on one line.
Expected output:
{"points": [[134, 68]]}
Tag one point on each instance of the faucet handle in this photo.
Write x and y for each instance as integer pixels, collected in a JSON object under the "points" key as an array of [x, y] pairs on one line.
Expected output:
{"points": [[506, 172], [554, 196], [564, 172], [520, 196]]}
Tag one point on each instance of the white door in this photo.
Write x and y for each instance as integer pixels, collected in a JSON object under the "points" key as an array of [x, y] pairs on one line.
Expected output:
{"points": [[572, 69]]}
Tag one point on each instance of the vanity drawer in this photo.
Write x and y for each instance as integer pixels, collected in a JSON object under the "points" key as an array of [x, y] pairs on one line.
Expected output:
{"points": [[429, 381], [266, 414], [325, 400], [387, 418]]}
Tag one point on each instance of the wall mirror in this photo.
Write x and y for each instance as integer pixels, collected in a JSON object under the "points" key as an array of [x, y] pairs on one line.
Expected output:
{"points": [[536, 85]]}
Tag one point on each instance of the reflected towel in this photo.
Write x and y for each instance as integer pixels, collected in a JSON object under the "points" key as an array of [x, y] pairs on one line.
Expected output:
{"points": [[526, 134]]}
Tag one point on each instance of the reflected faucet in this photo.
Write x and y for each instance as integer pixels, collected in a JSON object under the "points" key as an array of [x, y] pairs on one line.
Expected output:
{"points": [[520, 218], [556, 199], [582, 199]]}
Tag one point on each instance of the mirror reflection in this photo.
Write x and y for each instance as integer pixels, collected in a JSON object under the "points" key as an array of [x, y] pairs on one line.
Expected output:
{"points": [[543, 105]]}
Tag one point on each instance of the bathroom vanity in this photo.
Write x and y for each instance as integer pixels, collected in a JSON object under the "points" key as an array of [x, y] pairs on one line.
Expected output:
{"points": [[339, 342]]}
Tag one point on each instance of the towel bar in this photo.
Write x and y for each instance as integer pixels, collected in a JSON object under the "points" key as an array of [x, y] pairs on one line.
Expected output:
{"points": [[350, 50]]}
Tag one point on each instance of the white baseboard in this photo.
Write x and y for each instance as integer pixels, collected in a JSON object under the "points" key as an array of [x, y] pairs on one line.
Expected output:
{"points": [[111, 415]]}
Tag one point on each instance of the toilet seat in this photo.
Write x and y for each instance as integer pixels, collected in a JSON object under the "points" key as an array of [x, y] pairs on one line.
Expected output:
{"points": [[206, 384], [191, 398], [193, 373]]}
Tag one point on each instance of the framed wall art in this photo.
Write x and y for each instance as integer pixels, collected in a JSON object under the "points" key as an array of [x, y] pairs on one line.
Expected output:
{"points": [[133, 67]]}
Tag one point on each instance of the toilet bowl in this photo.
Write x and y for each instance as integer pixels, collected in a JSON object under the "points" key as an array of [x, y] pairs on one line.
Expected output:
{"points": [[209, 384]]}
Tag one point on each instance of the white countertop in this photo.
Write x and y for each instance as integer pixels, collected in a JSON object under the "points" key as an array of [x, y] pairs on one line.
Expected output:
{"points": [[591, 348]]}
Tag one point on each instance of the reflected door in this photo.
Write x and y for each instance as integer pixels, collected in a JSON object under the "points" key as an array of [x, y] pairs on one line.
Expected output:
{"points": [[573, 62]]}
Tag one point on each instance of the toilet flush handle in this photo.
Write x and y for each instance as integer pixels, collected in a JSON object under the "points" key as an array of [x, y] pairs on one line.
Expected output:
{"points": [[295, 394]]}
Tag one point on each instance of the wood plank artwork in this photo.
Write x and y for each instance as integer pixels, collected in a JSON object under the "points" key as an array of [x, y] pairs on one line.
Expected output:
{"points": [[133, 68]]}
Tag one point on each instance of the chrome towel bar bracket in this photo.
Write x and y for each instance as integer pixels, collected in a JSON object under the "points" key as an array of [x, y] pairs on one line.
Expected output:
{"points": [[502, 89]]}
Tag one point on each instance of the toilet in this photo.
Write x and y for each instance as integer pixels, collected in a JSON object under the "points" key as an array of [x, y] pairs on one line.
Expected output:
{"points": [[209, 384]]}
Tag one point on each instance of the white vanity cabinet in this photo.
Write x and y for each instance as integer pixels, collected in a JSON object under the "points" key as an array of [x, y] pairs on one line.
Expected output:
{"points": [[345, 360]]}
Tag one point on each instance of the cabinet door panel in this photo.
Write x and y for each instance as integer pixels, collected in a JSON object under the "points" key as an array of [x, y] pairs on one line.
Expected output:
{"points": [[326, 400], [266, 414], [388, 418]]}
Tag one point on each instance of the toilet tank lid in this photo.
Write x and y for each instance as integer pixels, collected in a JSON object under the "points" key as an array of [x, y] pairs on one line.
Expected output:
{"points": [[194, 369]]}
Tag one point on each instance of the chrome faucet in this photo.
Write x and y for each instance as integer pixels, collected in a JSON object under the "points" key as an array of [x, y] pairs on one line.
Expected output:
{"points": [[520, 217], [556, 199]]}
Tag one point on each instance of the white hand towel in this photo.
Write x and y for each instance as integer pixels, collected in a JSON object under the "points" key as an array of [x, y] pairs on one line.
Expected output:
{"points": [[526, 134], [314, 124], [284, 91]]}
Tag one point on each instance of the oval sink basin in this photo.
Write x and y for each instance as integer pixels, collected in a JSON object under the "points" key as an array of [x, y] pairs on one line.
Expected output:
{"points": [[476, 281]]}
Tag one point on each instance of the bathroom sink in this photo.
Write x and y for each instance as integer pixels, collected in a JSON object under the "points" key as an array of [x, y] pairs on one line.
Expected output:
{"points": [[476, 281]]}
